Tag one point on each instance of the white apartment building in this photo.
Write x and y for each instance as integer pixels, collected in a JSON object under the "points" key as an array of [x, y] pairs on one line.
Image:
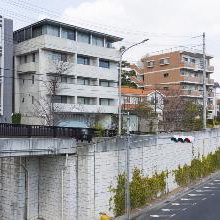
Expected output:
{"points": [[84, 61]]}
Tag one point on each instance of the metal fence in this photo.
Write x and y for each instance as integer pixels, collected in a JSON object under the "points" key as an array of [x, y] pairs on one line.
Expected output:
{"points": [[82, 134]]}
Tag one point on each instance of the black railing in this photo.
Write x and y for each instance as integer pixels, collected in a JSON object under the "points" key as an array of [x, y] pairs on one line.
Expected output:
{"points": [[21, 130]]}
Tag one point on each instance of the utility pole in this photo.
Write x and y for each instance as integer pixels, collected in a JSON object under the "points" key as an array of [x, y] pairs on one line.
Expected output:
{"points": [[127, 189], [204, 83]]}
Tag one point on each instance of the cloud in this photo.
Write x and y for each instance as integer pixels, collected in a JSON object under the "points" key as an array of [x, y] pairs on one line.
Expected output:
{"points": [[166, 23]]}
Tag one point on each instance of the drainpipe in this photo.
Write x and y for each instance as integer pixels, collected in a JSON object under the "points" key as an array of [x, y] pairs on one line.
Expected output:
{"points": [[27, 189], [62, 180]]}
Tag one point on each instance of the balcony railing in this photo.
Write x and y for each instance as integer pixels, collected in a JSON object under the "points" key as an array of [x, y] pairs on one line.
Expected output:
{"points": [[38, 131], [197, 66], [197, 80]]}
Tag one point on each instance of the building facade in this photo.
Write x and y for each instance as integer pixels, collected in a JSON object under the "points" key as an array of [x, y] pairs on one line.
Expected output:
{"points": [[133, 98], [83, 63], [6, 69], [178, 73]]}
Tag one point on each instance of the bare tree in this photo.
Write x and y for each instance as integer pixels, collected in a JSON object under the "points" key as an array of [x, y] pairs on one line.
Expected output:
{"points": [[45, 106]]}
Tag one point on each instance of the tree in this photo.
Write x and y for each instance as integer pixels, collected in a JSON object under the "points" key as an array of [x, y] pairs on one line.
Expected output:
{"points": [[45, 107], [126, 74]]}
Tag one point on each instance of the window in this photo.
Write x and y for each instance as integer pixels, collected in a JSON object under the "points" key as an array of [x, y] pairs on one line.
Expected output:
{"points": [[32, 100], [22, 100], [60, 99], [195, 74], [27, 34], [83, 37], [25, 58], [98, 41], [59, 56], [150, 63], [105, 83], [193, 60], [64, 79], [185, 59], [104, 63], [166, 88], [33, 57], [105, 101], [86, 101], [166, 75], [108, 43], [32, 79], [53, 30], [83, 81], [37, 31], [164, 61], [20, 36], [83, 60], [68, 34]]}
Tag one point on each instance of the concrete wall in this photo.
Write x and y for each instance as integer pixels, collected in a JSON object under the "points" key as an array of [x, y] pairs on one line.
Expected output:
{"points": [[89, 173]]}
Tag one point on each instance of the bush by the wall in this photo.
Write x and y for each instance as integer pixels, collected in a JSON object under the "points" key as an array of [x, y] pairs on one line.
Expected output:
{"points": [[198, 168], [142, 190], [16, 118]]}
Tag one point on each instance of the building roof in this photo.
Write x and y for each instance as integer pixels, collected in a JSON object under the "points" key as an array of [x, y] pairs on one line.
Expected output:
{"points": [[137, 92], [58, 23]]}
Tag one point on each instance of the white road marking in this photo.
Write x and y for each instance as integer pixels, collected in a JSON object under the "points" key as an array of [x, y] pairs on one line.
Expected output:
{"points": [[175, 203], [204, 199], [210, 187], [186, 199], [159, 216], [204, 190], [217, 180], [196, 194]]}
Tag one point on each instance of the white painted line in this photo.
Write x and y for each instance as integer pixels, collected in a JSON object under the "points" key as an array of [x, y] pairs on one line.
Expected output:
{"points": [[161, 216], [186, 199], [175, 204], [205, 190], [166, 210], [217, 180], [195, 194], [210, 187], [204, 199], [184, 209]]}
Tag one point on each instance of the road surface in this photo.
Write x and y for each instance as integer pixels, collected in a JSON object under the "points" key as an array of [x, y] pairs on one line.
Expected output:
{"points": [[201, 203]]}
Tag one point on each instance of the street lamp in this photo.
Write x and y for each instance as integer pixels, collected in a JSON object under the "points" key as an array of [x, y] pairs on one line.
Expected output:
{"points": [[123, 50]]}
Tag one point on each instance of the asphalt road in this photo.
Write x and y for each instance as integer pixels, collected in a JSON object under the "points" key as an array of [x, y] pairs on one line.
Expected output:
{"points": [[201, 203]]}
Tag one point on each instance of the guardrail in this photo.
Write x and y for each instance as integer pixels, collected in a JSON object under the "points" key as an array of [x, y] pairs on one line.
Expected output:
{"points": [[21, 130]]}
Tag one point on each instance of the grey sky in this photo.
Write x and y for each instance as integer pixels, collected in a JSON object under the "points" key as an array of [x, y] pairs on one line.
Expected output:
{"points": [[167, 23]]}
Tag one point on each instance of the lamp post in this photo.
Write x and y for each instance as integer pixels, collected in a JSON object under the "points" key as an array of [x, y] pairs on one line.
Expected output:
{"points": [[123, 50]]}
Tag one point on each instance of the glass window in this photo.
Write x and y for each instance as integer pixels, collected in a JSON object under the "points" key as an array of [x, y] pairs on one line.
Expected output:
{"points": [[27, 34], [108, 43], [104, 83], [59, 56], [98, 41], [105, 101], [60, 99], [68, 34], [33, 57], [32, 99], [25, 58], [83, 37], [53, 30], [83, 60], [20, 36], [32, 79], [104, 63], [37, 31], [83, 81], [64, 79]]}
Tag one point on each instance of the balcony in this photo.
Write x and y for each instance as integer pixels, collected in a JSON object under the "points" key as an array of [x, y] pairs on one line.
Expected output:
{"points": [[86, 90], [210, 107], [27, 68], [196, 67], [78, 108], [191, 93], [198, 80]]}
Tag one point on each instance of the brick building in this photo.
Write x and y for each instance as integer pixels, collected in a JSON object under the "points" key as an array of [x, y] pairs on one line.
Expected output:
{"points": [[177, 73]]}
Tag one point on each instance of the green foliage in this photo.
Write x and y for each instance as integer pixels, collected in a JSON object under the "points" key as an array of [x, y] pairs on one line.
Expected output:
{"points": [[197, 169], [99, 130], [142, 190], [16, 118], [128, 73]]}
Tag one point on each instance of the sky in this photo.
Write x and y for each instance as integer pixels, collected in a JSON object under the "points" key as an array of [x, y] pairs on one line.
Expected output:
{"points": [[168, 24]]}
